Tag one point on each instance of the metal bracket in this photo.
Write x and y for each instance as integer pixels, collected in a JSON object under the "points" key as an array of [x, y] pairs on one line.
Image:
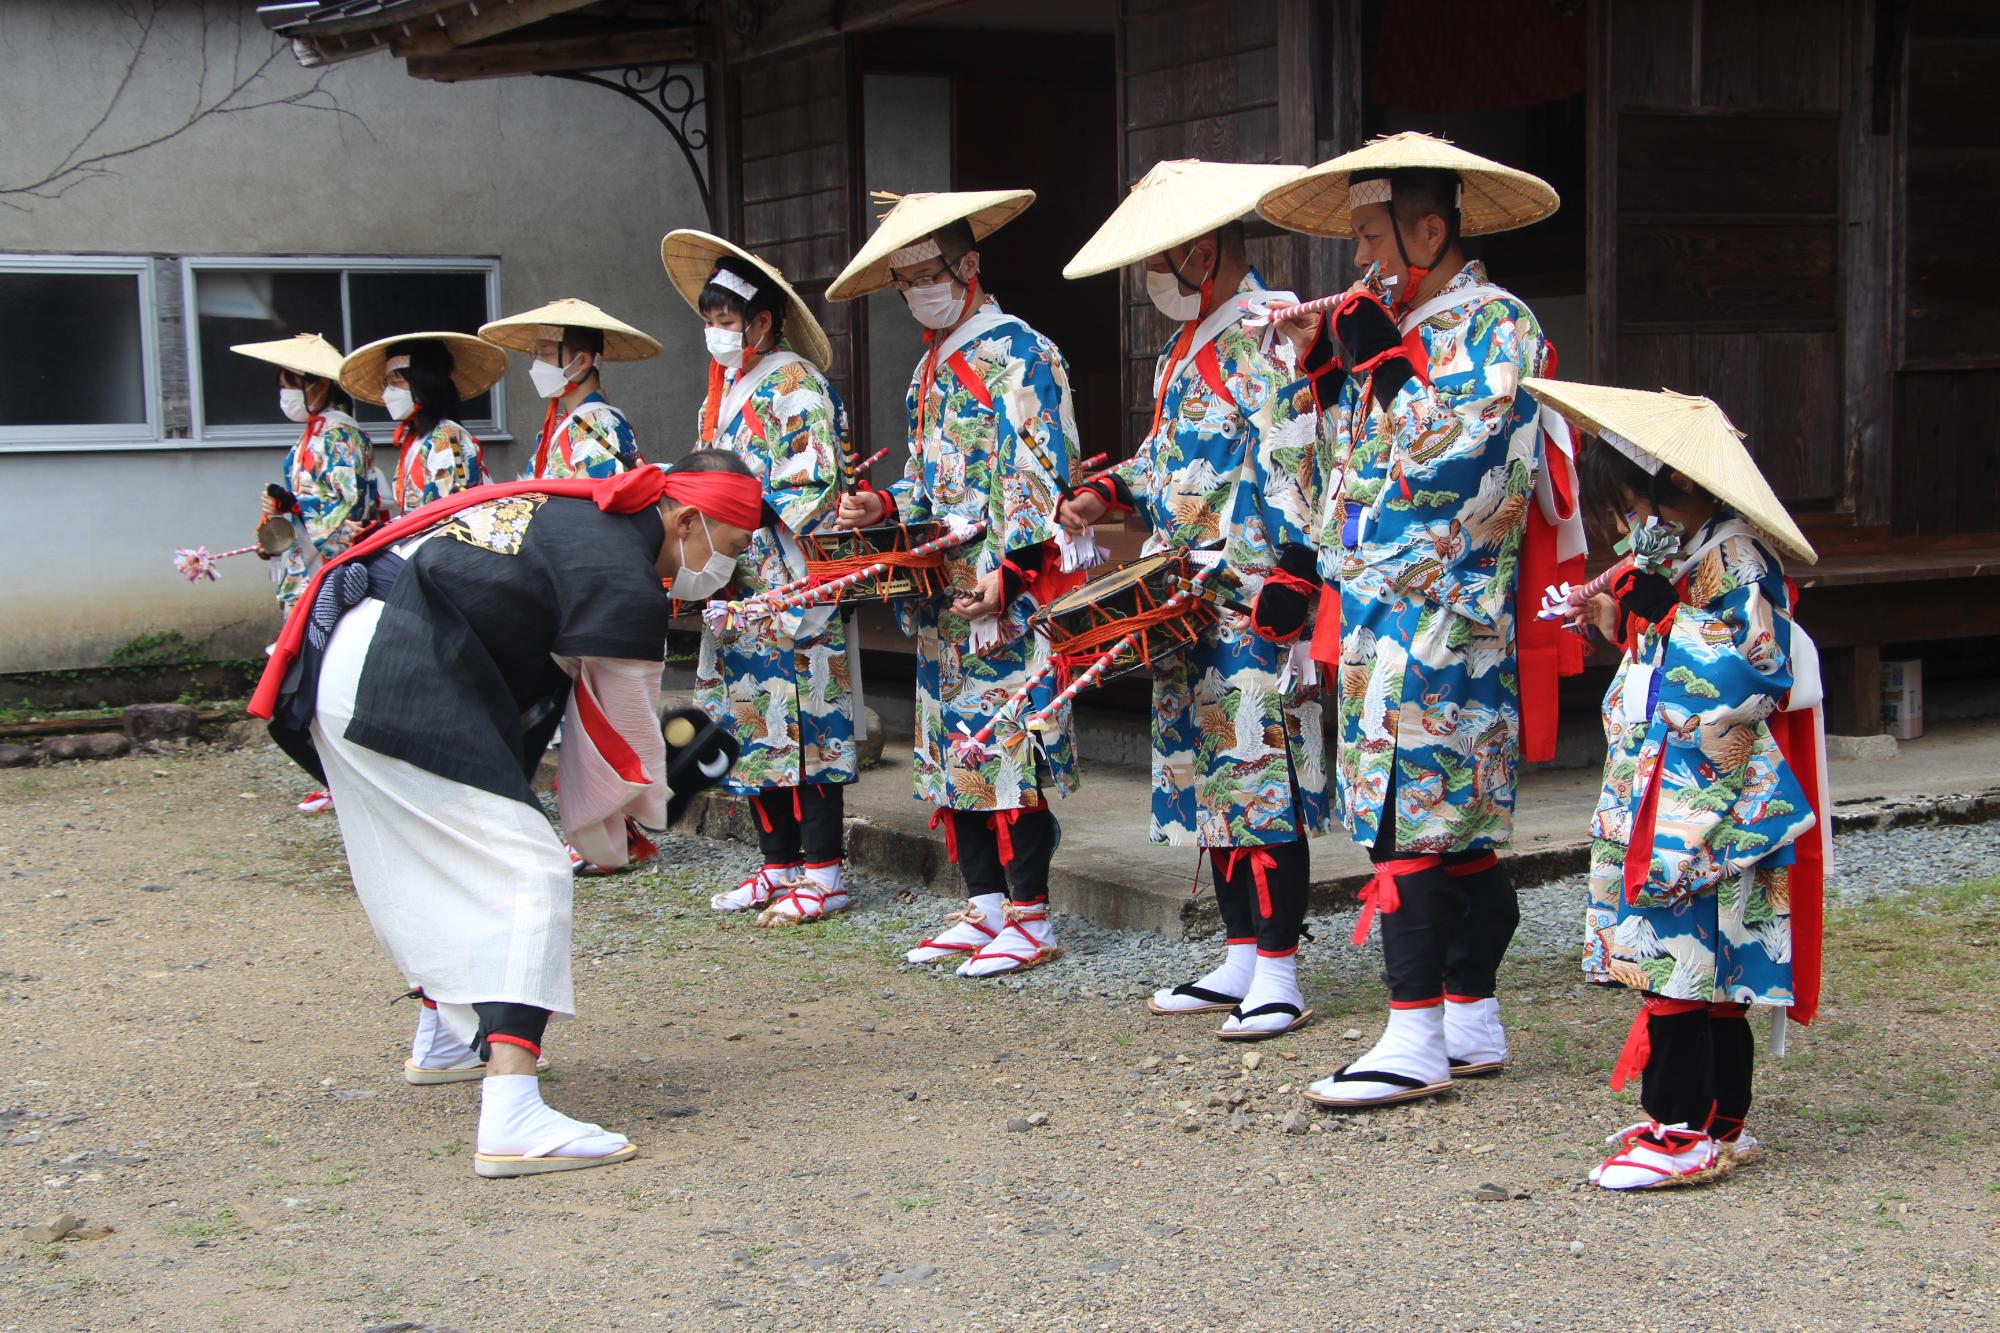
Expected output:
{"points": [[670, 98]]}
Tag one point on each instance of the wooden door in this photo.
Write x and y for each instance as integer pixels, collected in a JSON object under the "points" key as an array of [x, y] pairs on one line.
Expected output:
{"points": [[1716, 207], [795, 147]]}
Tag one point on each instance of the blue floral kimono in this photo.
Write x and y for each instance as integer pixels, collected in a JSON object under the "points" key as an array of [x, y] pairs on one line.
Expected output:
{"points": [[782, 686], [993, 439], [446, 460], [324, 471], [593, 441], [1687, 713], [1426, 505], [1238, 753]]}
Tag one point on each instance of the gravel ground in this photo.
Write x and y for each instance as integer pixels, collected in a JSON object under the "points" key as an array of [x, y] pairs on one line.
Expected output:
{"points": [[202, 1073]]}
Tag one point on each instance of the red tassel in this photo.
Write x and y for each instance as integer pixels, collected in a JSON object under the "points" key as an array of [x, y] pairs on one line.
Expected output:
{"points": [[1638, 1049], [1382, 894], [1003, 824]]}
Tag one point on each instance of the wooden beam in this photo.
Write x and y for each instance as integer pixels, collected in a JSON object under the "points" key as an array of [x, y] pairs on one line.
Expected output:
{"points": [[492, 20], [501, 60]]}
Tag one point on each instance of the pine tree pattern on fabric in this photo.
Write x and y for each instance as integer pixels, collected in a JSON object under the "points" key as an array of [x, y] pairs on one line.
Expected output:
{"points": [[786, 697], [328, 491], [1240, 469], [972, 462]]}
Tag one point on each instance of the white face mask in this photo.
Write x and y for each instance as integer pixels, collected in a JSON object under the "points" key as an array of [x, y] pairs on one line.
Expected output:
{"points": [[936, 306], [725, 345], [292, 402], [1175, 304], [400, 402], [553, 380], [698, 585]]}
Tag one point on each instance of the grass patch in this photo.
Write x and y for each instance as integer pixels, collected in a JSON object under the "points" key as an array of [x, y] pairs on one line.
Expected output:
{"points": [[222, 1222]]}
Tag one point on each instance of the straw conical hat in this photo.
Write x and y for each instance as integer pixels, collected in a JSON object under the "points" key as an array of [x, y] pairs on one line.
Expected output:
{"points": [[476, 365], [304, 354], [915, 216], [1493, 197], [1687, 433], [520, 333], [690, 259], [1174, 203]]}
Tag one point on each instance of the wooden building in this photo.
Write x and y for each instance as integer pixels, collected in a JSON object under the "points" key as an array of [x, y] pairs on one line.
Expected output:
{"points": [[1779, 203]]}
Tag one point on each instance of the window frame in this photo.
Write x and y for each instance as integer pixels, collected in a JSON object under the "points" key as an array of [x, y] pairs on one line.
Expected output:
{"points": [[490, 430], [113, 435]]}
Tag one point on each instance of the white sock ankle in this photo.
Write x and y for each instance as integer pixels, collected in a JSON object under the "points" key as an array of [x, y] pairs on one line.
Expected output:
{"points": [[436, 1046], [1412, 1045], [1230, 977], [815, 892], [1472, 1031], [1274, 981], [514, 1121], [1027, 930], [962, 936]]}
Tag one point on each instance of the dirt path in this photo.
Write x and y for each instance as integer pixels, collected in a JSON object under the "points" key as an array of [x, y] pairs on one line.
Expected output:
{"points": [[202, 1058]]}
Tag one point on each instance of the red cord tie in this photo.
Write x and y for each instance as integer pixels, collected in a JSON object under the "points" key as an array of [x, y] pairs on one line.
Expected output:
{"points": [[1477, 866], [943, 815], [763, 816], [1381, 893], [1638, 1047], [1261, 863], [1003, 823]]}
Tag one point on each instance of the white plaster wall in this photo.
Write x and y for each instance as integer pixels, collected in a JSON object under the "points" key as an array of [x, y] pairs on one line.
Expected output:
{"points": [[570, 186]]}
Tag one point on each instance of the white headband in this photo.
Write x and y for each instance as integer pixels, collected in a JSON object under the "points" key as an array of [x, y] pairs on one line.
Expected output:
{"points": [[723, 278], [927, 248], [396, 363], [1379, 191], [1632, 451]]}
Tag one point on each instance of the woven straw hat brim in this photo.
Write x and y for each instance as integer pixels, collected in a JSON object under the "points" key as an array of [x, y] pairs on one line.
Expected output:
{"points": [[1688, 433], [622, 342], [1174, 203], [476, 365], [303, 354], [690, 258], [916, 216], [1494, 198]]}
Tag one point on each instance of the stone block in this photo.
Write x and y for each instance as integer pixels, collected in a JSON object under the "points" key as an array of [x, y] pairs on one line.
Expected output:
{"points": [[90, 745], [159, 722]]}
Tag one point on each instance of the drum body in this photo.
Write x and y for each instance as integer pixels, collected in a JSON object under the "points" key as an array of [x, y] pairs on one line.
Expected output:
{"points": [[276, 535], [1128, 599], [831, 551]]}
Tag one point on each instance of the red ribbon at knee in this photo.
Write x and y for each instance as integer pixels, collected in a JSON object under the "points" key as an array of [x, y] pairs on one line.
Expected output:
{"points": [[1382, 894], [1003, 836], [942, 815], [1261, 864], [763, 816], [798, 810], [1478, 865]]}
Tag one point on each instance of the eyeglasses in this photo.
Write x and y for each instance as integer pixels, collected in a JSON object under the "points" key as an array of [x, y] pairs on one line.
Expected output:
{"points": [[928, 280]]}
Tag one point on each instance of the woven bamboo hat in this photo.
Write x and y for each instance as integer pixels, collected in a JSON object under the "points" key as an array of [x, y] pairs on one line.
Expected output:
{"points": [[690, 259], [912, 219], [1174, 203], [520, 333], [303, 354], [1492, 197], [1682, 431], [476, 365]]}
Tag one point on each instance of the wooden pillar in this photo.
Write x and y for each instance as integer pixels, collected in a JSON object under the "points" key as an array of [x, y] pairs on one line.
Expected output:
{"points": [[1853, 678]]}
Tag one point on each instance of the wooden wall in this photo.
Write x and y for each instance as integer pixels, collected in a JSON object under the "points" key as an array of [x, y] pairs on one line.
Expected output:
{"points": [[1716, 211], [1226, 82], [1947, 458]]}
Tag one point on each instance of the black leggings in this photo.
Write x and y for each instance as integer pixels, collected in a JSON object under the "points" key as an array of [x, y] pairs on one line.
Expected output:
{"points": [[1699, 1071], [1454, 925], [805, 822], [510, 1024], [1273, 913], [1023, 875]]}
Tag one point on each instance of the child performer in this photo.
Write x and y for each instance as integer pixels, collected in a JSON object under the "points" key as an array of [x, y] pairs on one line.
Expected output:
{"points": [[1707, 849]]}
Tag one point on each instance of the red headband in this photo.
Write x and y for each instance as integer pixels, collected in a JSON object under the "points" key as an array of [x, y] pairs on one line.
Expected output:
{"points": [[734, 498]]}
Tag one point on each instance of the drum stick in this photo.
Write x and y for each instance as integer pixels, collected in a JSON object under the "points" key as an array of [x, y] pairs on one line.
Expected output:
{"points": [[856, 470], [1194, 588], [804, 592], [198, 563]]}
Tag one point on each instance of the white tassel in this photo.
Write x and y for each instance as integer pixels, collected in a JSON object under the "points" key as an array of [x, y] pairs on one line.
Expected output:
{"points": [[1079, 551], [1299, 667], [982, 633]]}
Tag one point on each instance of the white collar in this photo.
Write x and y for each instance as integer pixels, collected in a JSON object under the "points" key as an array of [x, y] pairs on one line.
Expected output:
{"points": [[739, 392]]}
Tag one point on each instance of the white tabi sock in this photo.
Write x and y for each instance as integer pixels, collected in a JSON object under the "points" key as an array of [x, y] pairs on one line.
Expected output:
{"points": [[963, 935], [1412, 1045], [1231, 978], [1026, 933], [1275, 981], [814, 892], [1472, 1032], [514, 1121], [437, 1047], [756, 891]]}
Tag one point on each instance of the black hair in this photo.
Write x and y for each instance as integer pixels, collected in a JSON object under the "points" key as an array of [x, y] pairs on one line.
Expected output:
{"points": [[429, 378], [711, 460], [954, 240], [770, 299], [1414, 194], [1608, 476], [583, 340]]}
